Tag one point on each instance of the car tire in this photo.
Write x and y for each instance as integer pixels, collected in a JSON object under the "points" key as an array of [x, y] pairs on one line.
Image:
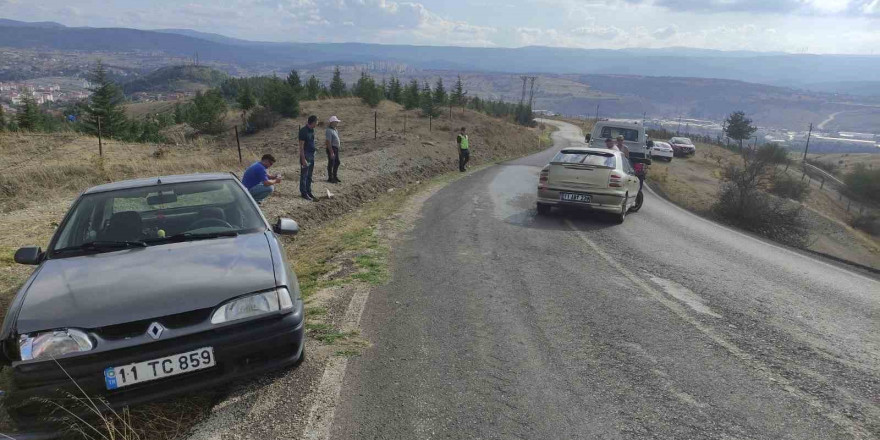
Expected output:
{"points": [[544, 209], [640, 199], [621, 216]]}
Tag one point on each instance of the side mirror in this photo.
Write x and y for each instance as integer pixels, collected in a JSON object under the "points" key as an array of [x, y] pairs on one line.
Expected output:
{"points": [[589, 137], [29, 255], [286, 226]]}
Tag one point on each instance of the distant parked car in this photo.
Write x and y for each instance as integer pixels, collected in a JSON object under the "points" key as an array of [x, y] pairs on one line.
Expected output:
{"points": [[151, 288], [662, 150], [682, 146], [589, 178]]}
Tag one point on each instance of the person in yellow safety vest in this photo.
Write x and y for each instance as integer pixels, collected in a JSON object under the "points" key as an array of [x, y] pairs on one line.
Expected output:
{"points": [[464, 152]]}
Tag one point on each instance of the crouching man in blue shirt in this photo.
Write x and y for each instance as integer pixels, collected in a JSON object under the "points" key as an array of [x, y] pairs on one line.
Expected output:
{"points": [[257, 179]]}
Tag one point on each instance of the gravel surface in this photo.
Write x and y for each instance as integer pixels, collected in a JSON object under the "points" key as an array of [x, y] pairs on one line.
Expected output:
{"points": [[498, 323]]}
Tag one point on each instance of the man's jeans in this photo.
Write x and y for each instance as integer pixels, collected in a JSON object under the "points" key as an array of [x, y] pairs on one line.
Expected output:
{"points": [[333, 164], [464, 155], [260, 192], [305, 175]]}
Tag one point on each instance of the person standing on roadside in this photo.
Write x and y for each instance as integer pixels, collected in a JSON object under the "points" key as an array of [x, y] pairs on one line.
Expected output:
{"points": [[332, 141], [464, 152], [307, 158], [609, 144], [622, 147], [257, 179]]}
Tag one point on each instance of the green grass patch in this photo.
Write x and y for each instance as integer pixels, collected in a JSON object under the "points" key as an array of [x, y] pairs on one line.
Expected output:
{"points": [[316, 311], [374, 268], [326, 333], [347, 353]]}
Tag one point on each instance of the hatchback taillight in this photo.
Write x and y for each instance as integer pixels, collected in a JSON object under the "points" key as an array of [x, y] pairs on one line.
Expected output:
{"points": [[615, 180]]}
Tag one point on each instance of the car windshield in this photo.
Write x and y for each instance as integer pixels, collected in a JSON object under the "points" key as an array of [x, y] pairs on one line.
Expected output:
{"points": [[628, 134], [156, 215], [605, 160], [684, 141]]}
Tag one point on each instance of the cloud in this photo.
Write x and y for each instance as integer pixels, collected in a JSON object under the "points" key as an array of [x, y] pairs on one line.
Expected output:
{"points": [[598, 31], [665, 32], [712, 6]]}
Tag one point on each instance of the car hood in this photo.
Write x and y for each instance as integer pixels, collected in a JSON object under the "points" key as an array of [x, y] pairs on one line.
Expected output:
{"points": [[143, 283]]}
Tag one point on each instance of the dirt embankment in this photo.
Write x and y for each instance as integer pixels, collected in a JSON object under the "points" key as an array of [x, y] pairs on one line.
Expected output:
{"points": [[693, 183]]}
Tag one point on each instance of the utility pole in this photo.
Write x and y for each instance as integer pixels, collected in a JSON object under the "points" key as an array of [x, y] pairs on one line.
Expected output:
{"points": [[644, 117], [597, 110], [522, 97], [100, 145], [532, 91], [807, 148], [678, 129]]}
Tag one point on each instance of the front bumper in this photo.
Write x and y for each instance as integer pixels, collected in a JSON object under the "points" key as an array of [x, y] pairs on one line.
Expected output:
{"points": [[660, 153], [683, 151], [249, 348], [599, 201]]}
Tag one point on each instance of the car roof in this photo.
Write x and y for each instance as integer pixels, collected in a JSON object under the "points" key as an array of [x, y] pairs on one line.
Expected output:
{"points": [[635, 125], [588, 150], [158, 180]]}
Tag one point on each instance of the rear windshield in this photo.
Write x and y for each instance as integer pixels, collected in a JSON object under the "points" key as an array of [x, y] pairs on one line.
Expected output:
{"points": [[628, 133], [584, 158]]}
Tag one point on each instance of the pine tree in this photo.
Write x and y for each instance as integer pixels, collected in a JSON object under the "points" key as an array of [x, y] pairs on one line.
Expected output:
{"points": [[106, 104], [395, 91], [458, 94], [360, 88], [179, 116], [29, 117], [295, 83], [337, 86], [313, 88], [208, 112], [411, 95], [739, 127], [2, 119], [246, 100], [440, 97], [427, 101], [278, 96]]}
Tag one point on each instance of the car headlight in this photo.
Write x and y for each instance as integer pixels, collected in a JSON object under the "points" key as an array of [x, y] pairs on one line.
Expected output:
{"points": [[53, 344], [253, 305]]}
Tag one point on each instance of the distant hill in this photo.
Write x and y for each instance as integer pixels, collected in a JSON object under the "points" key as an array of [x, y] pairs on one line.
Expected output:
{"points": [[36, 24], [855, 88], [767, 68], [176, 79]]}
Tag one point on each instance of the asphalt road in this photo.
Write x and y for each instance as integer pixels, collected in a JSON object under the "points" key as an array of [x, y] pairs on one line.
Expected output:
{"points": [[498, 323]]}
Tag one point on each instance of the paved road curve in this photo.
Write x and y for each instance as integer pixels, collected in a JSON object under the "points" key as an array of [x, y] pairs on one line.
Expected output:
{"points": [[500, 324]]}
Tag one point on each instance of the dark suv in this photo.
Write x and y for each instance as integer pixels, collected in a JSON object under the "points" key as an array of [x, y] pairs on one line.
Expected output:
{"points": [[150, 288]]}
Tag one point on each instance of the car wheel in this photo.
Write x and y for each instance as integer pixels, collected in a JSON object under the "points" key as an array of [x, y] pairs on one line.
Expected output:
{"points": [[544, 209], [639, 200], [620, 217]]}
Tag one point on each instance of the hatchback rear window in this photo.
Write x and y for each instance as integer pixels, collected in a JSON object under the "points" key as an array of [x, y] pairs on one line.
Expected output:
{"points": [[579, 157]]}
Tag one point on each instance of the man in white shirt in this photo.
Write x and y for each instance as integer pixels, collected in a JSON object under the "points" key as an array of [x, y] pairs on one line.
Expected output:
{"points": [[332, 143]]}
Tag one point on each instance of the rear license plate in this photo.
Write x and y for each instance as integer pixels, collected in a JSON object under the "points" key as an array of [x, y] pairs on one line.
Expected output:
{"points": [[118, 377], [574, 197]]}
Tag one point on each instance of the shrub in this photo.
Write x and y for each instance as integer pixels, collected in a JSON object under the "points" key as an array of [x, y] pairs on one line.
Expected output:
{"points": [[743, 202], [262, 118], [868, 222], [864, 182], [790, 188]]}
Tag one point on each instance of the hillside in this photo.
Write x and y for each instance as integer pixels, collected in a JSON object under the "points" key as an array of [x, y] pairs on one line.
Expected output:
{"points": [[781, 69], [176, 79]]}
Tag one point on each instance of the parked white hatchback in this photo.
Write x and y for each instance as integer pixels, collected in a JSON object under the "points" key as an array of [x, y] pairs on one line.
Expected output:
{"points": [[662, 150], [589, 178]]}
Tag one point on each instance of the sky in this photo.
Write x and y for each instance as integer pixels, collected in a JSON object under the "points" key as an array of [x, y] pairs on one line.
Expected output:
{"points": [[797, 26]]}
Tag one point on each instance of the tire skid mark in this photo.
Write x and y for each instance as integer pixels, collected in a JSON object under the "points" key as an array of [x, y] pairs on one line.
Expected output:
{"points": [[679, 310]]}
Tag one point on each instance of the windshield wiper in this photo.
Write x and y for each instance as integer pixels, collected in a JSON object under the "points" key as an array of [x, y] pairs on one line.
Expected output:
{"points": [[102, 246], [189, 236]]}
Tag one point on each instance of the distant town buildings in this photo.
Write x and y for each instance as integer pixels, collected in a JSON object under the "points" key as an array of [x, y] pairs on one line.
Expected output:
{"points": [[14, 93]]}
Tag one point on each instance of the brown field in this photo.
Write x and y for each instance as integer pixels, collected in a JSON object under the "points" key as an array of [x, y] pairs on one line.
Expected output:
{"points": [[694, 182], [846, 161]]}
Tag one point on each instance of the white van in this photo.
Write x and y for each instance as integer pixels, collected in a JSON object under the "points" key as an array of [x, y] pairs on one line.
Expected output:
{"points": [[634, 136]]}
